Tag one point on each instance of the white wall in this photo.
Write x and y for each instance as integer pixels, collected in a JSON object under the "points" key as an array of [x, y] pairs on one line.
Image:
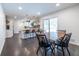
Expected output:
{"points": [[68, 19], [17, 26], [9, 32], [14, 27], [2, 29]]}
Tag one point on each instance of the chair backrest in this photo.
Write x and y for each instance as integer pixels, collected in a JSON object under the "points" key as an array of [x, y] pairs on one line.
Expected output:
{"points": [[61, 33], [67, 39], [41, 39]]}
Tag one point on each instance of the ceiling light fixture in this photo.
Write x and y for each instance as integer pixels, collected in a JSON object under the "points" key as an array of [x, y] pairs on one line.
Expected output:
{"points": [[57, 4], [15, 17], [20, 8], [38, 13]]}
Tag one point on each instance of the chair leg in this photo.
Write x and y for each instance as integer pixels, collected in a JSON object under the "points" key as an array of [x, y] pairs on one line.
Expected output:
{"points": [[45, 51], [63, 51], [57, 50], [53, 50], [57, 47], [68, 51], [38, 50]]}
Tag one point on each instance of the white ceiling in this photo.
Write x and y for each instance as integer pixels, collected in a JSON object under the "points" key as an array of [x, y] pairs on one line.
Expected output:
{"points": [[11, 9]]}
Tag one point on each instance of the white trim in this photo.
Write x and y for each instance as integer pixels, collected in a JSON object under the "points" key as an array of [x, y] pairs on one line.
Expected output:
{"points": [[75, 43], [2, 47]]}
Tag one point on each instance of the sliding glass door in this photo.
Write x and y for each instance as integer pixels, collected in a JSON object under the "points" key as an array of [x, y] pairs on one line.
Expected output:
{"points": [[50, 28], [53, 28], [46, 28]]}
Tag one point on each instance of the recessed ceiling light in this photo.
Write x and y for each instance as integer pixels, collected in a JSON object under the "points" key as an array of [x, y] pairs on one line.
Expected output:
{"points": [[15, 17], [38, 13], [20, 8], [57, 4]]}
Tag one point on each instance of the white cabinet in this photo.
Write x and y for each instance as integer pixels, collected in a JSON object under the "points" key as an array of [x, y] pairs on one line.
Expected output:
{"points": [[24, 35]]}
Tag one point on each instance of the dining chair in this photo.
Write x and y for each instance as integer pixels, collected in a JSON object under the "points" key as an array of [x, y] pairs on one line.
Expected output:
{"points": [[44, 43], [64, 43]]}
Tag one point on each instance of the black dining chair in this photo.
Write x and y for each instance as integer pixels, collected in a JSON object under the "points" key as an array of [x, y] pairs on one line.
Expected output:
{"points": [[44, 43], [64, 43]]}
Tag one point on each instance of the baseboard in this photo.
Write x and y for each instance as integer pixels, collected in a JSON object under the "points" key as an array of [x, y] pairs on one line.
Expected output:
{"points": [[75, 43], [2, 47]]}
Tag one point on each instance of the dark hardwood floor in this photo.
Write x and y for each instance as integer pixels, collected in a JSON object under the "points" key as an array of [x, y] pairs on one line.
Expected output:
{"points": [[20, 47]]}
